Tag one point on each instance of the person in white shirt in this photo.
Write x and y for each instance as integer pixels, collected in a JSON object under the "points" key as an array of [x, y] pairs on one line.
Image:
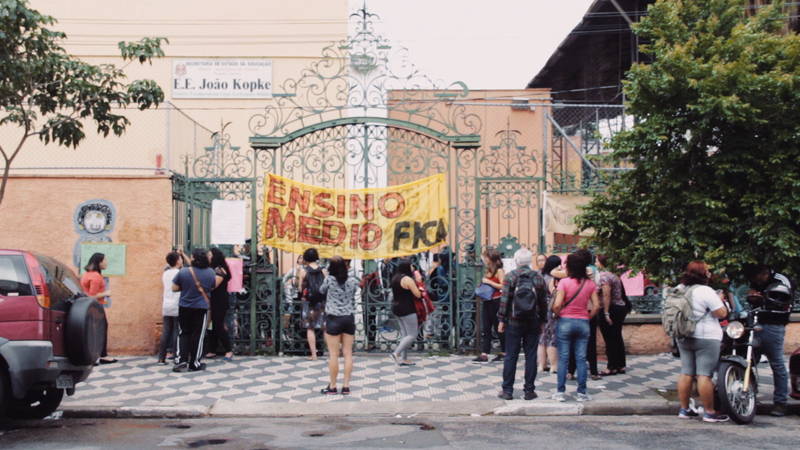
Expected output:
{"points": [[169, 331], [700, 353]]}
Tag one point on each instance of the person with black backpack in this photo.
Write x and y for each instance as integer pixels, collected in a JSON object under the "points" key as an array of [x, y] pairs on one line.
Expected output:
{"points": [[523, 308], [310, 280]]}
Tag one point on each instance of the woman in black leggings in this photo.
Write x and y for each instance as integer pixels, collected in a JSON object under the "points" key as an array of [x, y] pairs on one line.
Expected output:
{"points": [[219, 305]]}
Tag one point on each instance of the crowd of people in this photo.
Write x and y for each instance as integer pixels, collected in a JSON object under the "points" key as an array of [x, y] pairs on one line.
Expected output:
{"points": [[558, 332], [547, 308]]}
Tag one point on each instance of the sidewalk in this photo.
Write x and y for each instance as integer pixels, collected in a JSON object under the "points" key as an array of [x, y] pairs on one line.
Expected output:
{"points": [[289, 386]]}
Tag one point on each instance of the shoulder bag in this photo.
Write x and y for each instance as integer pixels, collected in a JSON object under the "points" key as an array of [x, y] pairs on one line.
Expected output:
{"points": [[556, 315], [199, 287]]}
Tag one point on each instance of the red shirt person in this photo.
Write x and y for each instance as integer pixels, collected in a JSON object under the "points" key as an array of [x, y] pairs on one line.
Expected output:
{"points": [[94, 285]]}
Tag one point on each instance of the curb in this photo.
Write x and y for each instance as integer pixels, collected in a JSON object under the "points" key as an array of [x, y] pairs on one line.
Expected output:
{"points": [[138, 412], [226, 408], [592, 408], [229, 409]]}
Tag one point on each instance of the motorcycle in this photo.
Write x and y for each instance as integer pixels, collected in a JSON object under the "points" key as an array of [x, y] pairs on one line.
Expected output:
{"points": [[737, 374]]}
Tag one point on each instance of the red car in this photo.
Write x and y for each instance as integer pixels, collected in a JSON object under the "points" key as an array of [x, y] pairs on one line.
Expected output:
{"points": [[51, 334]]}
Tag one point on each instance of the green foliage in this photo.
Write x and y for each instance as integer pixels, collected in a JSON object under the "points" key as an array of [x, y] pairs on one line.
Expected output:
{"points": [[716, 146], [52, 95]]}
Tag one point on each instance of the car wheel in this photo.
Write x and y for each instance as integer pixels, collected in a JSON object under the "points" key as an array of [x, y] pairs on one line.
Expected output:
{"points": [[84, 331], [37, 404], [5, 391]]}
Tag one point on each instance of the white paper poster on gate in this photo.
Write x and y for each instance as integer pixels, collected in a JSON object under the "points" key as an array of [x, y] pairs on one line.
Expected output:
{"points": [[228, 222], [222, 78]]}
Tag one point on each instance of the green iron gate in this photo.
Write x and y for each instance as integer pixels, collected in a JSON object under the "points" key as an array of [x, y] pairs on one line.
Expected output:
{"points": [[356, 118]]}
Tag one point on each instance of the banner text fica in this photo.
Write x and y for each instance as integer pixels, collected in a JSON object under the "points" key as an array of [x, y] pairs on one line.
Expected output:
{"points": [[355, 223]]}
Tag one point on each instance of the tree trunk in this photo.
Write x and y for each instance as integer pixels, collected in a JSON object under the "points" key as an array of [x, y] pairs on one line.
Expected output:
{"points": [[6, 170]]}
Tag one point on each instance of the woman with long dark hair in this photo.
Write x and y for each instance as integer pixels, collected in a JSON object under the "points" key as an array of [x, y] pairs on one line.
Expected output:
{"points": [[94, 285], [547, 351], [573, 296], [219, 305], [404, 292], [493, 277], [340, 325]]}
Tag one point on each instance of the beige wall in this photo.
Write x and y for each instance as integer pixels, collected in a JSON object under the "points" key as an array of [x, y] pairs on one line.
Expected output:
{"points": [[38, 213], [290, 33]]}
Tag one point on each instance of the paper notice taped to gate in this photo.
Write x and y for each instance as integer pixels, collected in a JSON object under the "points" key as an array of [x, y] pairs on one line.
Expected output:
{"points": [[355, 223], [228, 219]]}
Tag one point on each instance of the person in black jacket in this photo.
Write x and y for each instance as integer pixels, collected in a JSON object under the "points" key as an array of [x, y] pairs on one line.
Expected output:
{"points": [[219, 306], [522, 329], [775, 293]]}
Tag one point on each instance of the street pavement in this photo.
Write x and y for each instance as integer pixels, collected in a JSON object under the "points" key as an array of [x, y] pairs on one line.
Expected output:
{"points": [[434, 432], [289, 386]]}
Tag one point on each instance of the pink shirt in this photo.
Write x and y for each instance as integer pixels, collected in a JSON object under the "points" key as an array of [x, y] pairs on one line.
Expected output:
{"points": [[579, 307]]}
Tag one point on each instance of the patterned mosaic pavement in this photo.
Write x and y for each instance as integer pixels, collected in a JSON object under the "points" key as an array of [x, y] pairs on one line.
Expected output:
{"points": [[138, 381]]}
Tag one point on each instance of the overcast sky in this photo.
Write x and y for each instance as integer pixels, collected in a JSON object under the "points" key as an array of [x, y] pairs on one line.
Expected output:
{"points": [[499, 44]]}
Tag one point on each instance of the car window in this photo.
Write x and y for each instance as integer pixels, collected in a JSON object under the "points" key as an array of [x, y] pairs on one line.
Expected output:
{"points": [[61, 282], [14, 279]]}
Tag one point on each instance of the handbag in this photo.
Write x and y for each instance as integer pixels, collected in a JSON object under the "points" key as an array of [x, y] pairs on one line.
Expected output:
{"points": [[484, 291], [556, 315], [628, 304]]}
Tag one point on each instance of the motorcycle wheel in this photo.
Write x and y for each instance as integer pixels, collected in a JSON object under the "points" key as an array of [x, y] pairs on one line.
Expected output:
{"points": [[739, 405]]}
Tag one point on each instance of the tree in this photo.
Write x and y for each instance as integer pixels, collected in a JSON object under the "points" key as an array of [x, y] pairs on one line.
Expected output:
{"points": [[46, 93], [716, 145]]}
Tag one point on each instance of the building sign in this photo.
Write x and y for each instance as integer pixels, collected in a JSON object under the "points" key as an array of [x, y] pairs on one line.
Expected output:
{"points": [[355, 223], [221, 78]]}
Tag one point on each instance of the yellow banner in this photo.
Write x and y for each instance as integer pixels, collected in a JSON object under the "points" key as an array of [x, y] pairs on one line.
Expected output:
{"points": [[355, 223]]}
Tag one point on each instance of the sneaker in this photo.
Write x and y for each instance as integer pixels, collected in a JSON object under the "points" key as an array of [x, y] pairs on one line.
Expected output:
{"points": [[198, 368], [582, 397], [716, 417], [498, 358], [779, 410], [328, 391], [481, 359], [687, 414], [559, 397], [181, 367], [530, 395], [505, 395], [345, 391]]}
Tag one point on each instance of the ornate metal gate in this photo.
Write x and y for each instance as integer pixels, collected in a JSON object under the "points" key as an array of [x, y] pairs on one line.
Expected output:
{"points": [[361, 116]]}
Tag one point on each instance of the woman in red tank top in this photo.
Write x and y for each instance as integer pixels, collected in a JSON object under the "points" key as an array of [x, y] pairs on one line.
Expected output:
{"points": [[494, 277], [94, 285]]}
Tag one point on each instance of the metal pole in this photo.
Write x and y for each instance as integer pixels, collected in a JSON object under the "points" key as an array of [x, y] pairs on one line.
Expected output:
{"points": [[253, 266]]}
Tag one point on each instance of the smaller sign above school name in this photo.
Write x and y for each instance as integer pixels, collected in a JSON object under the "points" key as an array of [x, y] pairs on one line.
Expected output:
{"points": [[221, 78]]}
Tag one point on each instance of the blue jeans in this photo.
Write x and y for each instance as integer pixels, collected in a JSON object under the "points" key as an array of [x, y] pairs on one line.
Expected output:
{"points": [[525, 336], [572, 336], [772, 347]]}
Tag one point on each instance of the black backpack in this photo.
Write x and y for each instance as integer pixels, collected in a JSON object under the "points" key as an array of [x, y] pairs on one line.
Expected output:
{"points": [[312, 283], [524, 305]]}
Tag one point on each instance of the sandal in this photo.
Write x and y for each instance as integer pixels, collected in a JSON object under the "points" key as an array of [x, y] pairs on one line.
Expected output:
{"points": [[608, 373], [345, 391], [328, 391], [596, 377]]}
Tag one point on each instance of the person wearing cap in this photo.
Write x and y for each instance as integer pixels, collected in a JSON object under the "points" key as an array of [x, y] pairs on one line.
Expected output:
{"points": [[522, 331], [774, 293]]}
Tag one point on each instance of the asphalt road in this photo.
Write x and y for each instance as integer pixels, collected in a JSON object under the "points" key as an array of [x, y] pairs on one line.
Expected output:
{"points": [[662, 432]]}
